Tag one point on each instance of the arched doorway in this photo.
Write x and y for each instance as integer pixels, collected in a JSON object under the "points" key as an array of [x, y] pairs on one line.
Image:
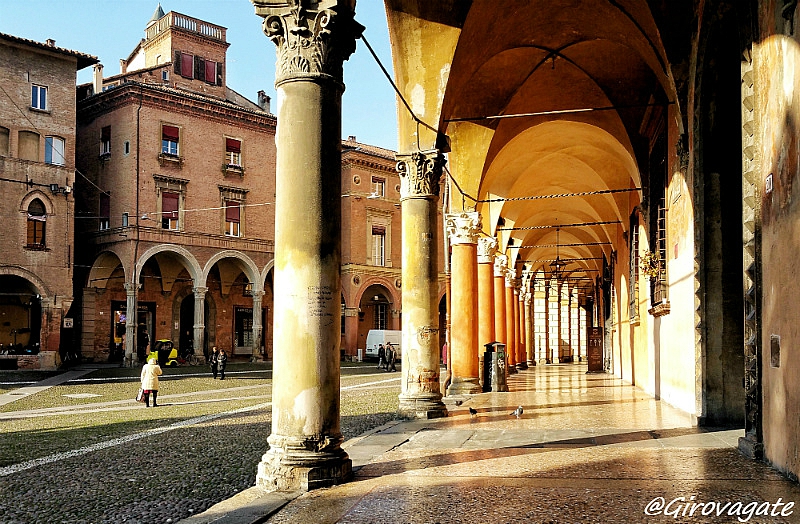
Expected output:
{"points": [[20, 316], [375, 311]]}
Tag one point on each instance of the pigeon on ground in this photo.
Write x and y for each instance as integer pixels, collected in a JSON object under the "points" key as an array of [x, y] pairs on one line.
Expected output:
{"points": [[473, 412], [517, 412], [459, 402]]}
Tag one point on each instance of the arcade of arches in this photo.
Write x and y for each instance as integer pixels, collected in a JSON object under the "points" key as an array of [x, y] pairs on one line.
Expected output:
{"points": [[620, 166], [195, 306]]}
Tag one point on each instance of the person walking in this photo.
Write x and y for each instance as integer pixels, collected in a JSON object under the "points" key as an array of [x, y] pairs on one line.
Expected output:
{"points": [[149, 379], [391, 357], [381, 357], [222, 361], [212, 361]]}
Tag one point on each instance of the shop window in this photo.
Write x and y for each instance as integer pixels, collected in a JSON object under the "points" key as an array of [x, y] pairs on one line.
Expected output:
{"points": [[232, 217], [29, 145], [39, 97], [37, 224], [4, 142], [170, 210], [54, 150], [105, 212], [170, 140], [105, 140], [378, 245]]}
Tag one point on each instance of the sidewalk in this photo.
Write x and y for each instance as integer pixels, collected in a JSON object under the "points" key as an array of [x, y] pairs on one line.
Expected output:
{"points": [[586, 449], [61, 378]]}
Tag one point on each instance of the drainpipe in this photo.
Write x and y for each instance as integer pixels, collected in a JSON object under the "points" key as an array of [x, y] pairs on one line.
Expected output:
{"points": [[446, 239]]}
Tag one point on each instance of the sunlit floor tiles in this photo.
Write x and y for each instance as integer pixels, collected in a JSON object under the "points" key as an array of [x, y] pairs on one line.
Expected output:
{"points": [[587, 449]]}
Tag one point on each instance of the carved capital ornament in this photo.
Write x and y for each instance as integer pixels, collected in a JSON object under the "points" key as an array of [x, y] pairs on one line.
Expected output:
{"points": [[313, 37], [500, 265], [487, 247], [464, 228], [420, 173]]}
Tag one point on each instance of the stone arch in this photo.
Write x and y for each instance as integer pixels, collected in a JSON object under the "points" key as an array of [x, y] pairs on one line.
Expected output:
{"points": [[266, 270], [41, 195], [31, 277], [104, 265], [246, 264], [381, 281], [188, 259]]}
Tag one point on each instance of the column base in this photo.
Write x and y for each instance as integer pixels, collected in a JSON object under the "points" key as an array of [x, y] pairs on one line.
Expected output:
{"points": [[464, 386], [512, 369], [424, 407], [750, 448], [522, 366], [282, 470], [531, 363]]}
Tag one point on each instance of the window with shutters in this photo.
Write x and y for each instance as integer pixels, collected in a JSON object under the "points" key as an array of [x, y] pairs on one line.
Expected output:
{"points": [[4, 141], [105, 140], [105, 212], [187, 65], [232, 218], [54, 150], [37, 225], [378, 187], [170, 142], [633, 275], [233, 152], [170, 210], [378, 245]]}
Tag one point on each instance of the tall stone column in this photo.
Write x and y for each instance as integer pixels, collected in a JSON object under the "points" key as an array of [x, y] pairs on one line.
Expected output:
{"points": [[313, 40], [487, 246], [463, 230], [130, 323], [199, 338], [511, 341], [530, 344], [257, 327], [519, 327], [420, 395], [500, 268]]}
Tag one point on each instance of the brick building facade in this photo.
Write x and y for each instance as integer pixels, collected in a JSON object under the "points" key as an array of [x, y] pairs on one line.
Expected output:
{"points": [[37, 175], [176, 224]]}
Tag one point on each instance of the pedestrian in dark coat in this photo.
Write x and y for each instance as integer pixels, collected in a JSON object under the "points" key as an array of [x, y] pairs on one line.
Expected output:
{"points": [[222, 360], [381, 357], [391, 357], [212, 361]]}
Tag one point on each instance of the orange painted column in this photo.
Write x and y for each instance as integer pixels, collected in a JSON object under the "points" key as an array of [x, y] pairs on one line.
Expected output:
{"points": [[463, 230], [519, 308], [487, 246], [511, 341], [500, 262]]}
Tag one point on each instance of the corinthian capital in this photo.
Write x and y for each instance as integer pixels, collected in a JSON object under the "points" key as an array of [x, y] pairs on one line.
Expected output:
{"points": [[464, 227], [420, 173], [500, 265], [313, 37], [487, 247]]}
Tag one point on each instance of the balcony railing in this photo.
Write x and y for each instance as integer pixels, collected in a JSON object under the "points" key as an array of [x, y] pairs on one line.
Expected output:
{"points": [[187, 23]]}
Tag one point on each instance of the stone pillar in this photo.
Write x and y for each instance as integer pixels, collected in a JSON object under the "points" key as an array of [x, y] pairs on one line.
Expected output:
{"points": [[420, 395], [130, 324], [530, 346], [313, 40], [257, 356], [463, 230], [519, 328], [487, 246], [500, 263], [198, 339], [511, 341]]}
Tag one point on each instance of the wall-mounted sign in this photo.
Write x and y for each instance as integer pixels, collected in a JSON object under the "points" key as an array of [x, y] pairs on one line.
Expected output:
{"points": [[68, 323], [768, 184]]}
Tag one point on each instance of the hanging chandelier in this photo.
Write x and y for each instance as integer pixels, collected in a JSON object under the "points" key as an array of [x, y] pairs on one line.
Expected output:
{"points": [[558, 265]]}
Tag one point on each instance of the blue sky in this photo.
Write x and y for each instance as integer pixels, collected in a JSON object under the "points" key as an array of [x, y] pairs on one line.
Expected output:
{"points": [[110, 29]]}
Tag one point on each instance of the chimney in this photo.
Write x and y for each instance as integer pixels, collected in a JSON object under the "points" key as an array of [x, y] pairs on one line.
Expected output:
{"points": [[97, 77], [123, 66], [50, 42], [263, 101], [351, 138]]}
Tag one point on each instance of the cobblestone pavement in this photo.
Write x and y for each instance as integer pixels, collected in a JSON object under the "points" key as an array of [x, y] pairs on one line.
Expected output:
{"points": [[180, 468], [586, 449]]}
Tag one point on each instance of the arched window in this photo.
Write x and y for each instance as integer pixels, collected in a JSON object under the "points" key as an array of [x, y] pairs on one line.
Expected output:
{"points": [[37, 222]]}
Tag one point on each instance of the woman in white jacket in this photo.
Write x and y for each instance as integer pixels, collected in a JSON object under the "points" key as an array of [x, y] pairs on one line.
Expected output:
{"points": [[150, 373]]}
